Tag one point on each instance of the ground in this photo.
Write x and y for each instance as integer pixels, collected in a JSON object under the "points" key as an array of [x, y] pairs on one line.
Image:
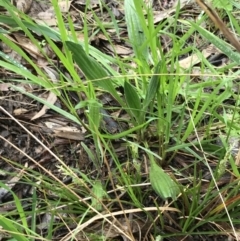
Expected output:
{"points": [[71, 184]]}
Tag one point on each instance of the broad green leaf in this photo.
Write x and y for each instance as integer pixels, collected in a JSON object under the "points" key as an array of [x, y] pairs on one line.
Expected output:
{"points": [[152, 87], [162, 183], [132, 99], [135, 30], [223, 4], [90, 67], [220, 44], [98, 194], [93, 70], [94, 118], [94, 114]]}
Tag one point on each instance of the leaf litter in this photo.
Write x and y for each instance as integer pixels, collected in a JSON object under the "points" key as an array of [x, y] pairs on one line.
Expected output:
{"points": [[71, 142]]}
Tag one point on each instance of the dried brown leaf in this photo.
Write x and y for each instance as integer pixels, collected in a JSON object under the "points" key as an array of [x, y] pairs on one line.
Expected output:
{"points": [[28, 45], [237, 158], [64, 5], [51, 99], [23, 5], [78, 136], [47, 18], [5, 86], [118, 49], [20, 111], [194, 59]]}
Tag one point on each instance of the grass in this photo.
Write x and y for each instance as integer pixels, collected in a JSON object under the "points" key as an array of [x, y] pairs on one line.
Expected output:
{"points": [[163, 173]]}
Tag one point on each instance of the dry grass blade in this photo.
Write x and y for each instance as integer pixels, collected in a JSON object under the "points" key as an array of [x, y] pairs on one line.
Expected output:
{"points": [[113, 214], [219, 23], [82, 167]]}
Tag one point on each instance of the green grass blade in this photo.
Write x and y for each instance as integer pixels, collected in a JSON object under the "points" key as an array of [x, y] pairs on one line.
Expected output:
{"points": [[38, 29], [8, 225], [127, 132], [27, 74], [220, 44], [34, 214], [16, 48], [11, 226], [53, 107]]}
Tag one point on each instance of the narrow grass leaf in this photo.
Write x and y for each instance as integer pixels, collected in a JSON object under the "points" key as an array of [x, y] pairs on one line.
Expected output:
{"points": [[55, 36], [53, 107], [66, 61], [220, 44], [61, 25], [38, 29], [16, 48], [34, 213], [162, 183], [51, 226], [132, 99], [89, 152], [27, 74], [127, 132], [11, 60], [9, 226]]}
